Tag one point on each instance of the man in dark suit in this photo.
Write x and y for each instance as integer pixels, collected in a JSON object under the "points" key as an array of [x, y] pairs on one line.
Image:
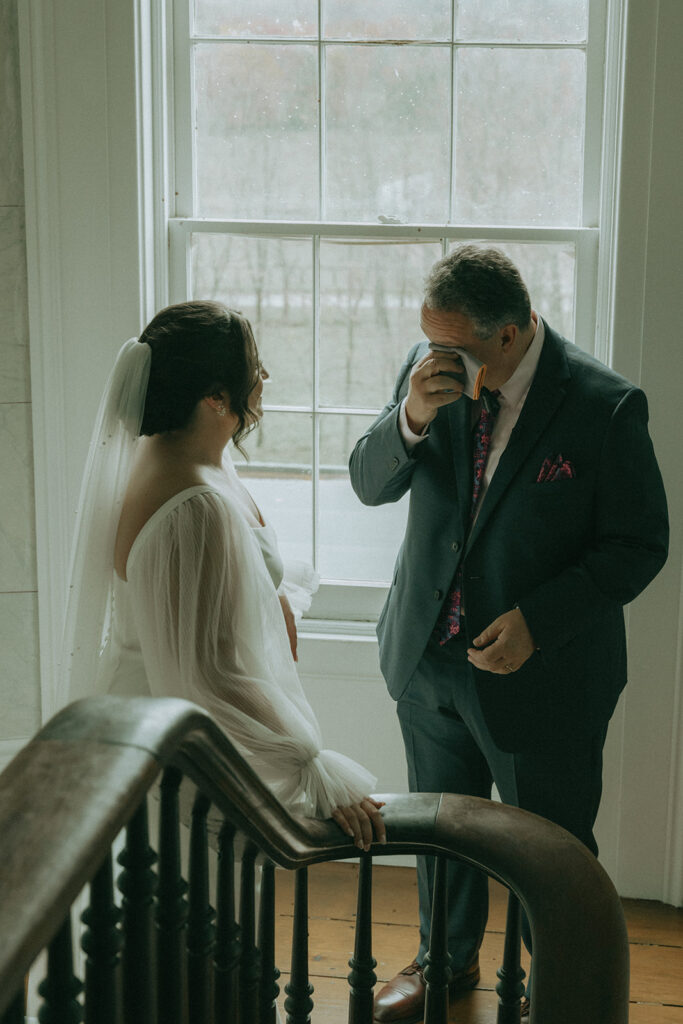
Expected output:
{"points": [[502, 638]]}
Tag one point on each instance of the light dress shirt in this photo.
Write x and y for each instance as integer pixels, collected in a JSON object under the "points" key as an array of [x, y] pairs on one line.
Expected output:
{"points": [[511, 398]]}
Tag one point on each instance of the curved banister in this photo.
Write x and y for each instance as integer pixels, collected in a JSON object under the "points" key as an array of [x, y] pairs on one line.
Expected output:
{"points": [[68, 793]]}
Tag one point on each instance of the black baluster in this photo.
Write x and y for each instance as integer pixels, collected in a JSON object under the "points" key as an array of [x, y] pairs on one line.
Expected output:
{"points": [[298, 1004], [60, 988], [14, 1014], [200, 928], [437, 970], [102, 942], [171, 909], [228, 940], [510, 988], [250, 966], [362, 977], [138, 885], [268, 988]]}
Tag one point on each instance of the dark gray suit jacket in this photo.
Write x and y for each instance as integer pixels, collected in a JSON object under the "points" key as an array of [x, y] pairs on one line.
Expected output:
{"points": [[569, 553]]}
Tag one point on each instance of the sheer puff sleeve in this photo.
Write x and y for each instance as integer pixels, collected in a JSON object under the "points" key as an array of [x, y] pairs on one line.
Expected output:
{"points": [[211, 630]]}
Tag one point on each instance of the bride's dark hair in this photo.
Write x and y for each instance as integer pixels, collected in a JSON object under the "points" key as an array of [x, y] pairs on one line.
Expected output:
{"points": [[198, 348]]}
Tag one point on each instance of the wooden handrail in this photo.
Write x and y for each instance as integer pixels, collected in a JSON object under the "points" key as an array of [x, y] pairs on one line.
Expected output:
{"points": [[67, 794]]}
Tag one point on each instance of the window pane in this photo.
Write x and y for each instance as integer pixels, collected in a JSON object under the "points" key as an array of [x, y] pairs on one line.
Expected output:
{"points": [[519, 20], [388, 114], [519, 142], [548, 271], [256, 150], [356, 542], [269, 280], [279, 477], [370, 296], [244, 18], [387, 19]]}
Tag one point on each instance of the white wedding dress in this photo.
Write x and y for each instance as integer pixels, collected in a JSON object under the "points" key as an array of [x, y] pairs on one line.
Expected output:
{"points": [[199, 618]]}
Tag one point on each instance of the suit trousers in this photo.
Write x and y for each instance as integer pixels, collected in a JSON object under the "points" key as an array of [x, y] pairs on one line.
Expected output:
{"points": [[449, 749]]}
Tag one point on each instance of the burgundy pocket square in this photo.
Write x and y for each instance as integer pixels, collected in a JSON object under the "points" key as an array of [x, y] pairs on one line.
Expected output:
{"points": [[558, 468]]}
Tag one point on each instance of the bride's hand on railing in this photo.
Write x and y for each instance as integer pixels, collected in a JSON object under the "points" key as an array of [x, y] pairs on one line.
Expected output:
{"points": [[359, 820]]}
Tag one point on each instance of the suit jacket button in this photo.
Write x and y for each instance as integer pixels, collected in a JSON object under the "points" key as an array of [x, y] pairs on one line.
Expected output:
{"points": [[438, 594], [394, 462], [455, 546]]}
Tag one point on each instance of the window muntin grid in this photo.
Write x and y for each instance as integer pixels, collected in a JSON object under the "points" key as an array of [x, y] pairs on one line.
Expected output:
{"points": [[294, 314], [383, 149]]}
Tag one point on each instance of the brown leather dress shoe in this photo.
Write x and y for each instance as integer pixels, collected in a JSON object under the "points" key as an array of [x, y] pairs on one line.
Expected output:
{"points": [[402, 999]]}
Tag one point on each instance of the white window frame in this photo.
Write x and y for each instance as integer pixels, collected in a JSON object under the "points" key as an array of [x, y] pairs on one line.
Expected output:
{"points": [[350, 604]]}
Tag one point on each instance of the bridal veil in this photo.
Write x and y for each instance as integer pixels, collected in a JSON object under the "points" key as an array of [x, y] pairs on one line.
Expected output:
{"points": [[205, 614]]}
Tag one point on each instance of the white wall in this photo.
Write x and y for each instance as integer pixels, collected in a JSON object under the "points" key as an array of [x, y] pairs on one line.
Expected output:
{"points": [[648, 349], [81, 109], [19, 678], [78, 84]]}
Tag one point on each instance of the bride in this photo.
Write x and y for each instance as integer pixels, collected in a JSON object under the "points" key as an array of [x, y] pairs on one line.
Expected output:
{"points": [[177, 581]]}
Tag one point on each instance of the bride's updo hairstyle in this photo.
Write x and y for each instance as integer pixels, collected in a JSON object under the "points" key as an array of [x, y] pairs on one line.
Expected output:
{"points": [[198, 349]]}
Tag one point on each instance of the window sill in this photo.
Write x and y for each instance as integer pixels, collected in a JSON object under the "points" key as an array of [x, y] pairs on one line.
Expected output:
{"points": [[356, 606], [337, 629]]}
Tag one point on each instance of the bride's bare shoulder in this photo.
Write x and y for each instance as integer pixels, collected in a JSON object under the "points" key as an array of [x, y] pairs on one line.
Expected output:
{"points": [[149, 488]]}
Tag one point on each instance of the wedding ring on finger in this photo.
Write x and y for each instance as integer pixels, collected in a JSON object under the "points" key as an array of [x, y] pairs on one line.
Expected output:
{"points": [[508, 667]]}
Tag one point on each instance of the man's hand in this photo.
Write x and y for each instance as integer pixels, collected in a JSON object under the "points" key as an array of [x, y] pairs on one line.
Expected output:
{"points": [[290, 623], [430, 388], [504, 646]]}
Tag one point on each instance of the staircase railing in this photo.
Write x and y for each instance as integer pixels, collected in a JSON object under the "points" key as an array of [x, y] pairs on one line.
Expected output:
{"points": [[158, 952]]}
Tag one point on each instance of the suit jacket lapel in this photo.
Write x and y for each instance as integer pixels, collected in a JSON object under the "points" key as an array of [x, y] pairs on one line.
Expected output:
{"points": [[546, 394]]}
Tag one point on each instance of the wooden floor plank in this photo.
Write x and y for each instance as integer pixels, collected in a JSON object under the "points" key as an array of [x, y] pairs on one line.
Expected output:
{"points": [[330, 997], [648, 921], [655, 933], [332, 893], [657, 974], [654, 1013], [331, 946]]}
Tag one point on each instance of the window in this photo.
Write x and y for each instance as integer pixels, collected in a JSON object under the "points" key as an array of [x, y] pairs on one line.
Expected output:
{"points": [[327, 152]]}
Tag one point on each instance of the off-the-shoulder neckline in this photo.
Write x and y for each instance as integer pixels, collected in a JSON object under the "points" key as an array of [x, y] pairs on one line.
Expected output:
{"points": [[168, 506]]}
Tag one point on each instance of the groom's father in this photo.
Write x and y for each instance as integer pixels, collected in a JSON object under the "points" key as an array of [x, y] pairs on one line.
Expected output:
{"points": [[537, 511]]}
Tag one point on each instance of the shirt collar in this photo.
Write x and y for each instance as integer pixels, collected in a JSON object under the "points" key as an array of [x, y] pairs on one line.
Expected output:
{"points": [[514, 391]]}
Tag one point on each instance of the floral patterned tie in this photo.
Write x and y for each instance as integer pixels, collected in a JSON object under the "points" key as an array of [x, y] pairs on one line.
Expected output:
{"points": [[448, 623]]}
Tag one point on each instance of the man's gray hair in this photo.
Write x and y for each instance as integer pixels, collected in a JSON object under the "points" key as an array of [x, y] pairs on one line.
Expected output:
{"points": [[482, 284]]}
